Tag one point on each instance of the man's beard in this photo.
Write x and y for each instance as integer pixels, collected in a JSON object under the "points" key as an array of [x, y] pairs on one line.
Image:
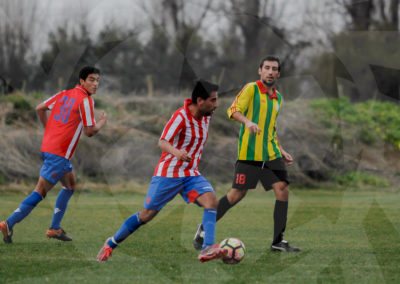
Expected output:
{"points": [[269, 84]]}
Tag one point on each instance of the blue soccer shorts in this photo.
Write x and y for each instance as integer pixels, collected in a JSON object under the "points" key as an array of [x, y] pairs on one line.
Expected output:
{"points": [[54, 167], [164, 189]]}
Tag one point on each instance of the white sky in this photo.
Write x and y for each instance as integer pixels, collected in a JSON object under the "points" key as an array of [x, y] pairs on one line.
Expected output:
{"points": [[300, 17]]}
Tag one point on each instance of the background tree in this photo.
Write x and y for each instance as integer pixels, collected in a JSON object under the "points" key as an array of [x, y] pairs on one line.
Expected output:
{"points": [[16, 38]]}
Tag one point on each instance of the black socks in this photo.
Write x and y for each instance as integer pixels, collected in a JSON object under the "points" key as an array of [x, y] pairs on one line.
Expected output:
{"points": [[223, 206], [280, 218]]}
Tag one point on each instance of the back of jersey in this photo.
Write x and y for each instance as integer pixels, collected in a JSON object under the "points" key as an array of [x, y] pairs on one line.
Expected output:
{"points": [[70, 111]]}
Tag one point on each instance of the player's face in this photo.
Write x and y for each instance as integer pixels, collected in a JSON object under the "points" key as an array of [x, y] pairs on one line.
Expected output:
{"points": [[208, 106], [91, 83], [269, 72]]}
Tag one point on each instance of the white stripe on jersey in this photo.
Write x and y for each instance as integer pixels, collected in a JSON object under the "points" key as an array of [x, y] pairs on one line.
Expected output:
{"points": [[74, 140], [88, 112], [174, 161], [161, 165], [200, 151], [52, 105], [188, 138], [171, 130], [192, 139]]}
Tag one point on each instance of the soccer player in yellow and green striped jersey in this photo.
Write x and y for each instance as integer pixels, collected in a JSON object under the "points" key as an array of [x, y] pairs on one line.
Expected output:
{"points": [[260, 155]]}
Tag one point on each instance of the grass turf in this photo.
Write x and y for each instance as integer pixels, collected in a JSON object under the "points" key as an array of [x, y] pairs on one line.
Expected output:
{"points": [[345, 236]]}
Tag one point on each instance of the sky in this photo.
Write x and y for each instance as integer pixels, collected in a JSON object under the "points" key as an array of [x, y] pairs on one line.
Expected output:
{"points": [[296, 16]]}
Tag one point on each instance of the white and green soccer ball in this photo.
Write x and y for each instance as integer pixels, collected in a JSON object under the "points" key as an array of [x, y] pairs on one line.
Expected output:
{"points": [[236, 250]]}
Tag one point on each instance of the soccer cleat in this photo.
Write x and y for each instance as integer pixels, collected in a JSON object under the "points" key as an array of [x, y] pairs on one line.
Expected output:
{"points": [[212, 252], [198, 238], [7, 232], [105, 252], [284, 246], [58, 234]]}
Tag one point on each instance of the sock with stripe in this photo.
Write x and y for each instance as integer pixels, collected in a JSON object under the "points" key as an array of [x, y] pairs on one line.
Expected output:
{"points": [[209, 220], [24, 209], [130, 225], [61, 206]]}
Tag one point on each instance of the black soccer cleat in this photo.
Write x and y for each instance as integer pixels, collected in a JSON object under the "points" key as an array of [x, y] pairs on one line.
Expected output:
{"points": [[199, 238], [284, 246]]}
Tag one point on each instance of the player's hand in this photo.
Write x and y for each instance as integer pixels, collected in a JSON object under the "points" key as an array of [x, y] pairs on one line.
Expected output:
{"points": [[103, 116], [253, 128], [183, 156], [287, 157]]}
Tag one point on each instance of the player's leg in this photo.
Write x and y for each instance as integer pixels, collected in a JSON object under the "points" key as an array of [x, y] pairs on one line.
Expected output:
{"points": [[229, 200], [55, 231], [245, 177], [130, 225], [160, 192], [199, 190], [27, 205], [274, 175], [209, 250], [281, 190], [209, 202]]}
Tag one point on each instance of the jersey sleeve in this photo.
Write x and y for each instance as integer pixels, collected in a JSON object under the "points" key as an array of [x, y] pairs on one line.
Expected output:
{"points": [[242, 100], [86, 109], [50, 102], [173, 127]]}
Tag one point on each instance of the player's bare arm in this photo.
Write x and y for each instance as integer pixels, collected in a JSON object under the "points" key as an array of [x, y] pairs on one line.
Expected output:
{"points": [[285, 155], [93, 130], [180, 154], [41, 110], [251, 126]]}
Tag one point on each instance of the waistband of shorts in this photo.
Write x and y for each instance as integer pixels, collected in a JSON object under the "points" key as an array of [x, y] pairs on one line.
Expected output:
{"points": [[253, 163], [258, 164]]}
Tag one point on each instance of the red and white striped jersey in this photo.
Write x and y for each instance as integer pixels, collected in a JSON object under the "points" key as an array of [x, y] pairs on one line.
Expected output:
{"points": [[71, 110], [184, 132]]}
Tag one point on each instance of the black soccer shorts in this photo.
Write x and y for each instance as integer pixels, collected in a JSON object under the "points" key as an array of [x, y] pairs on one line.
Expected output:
{"points": [[248, 173]]}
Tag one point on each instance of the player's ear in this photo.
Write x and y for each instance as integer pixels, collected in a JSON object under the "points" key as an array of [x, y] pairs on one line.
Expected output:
{"points": [[81, 81]]}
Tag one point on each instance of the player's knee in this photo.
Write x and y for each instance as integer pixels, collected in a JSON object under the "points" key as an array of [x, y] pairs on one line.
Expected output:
{"points": [[41, 191], [146, 215], [213, 204], [210, 204], [235, 195]]}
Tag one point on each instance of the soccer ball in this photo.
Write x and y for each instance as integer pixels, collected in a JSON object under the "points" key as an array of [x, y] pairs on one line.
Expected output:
{"points": [[236, 250]]}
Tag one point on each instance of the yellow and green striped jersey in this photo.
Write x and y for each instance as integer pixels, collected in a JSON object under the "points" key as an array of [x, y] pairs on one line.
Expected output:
{"points": [[257, 105]]}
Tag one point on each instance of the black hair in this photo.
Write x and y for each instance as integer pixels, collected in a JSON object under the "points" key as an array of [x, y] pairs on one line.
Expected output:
{"points": [[203, 89], [271, 58], [87, 70]]}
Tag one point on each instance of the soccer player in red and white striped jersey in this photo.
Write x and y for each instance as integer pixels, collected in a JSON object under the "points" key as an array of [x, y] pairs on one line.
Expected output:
{"points": [[71, 112], [177, 172], [183, 131]]}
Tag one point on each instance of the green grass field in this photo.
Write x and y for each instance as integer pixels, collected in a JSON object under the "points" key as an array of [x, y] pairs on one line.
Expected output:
{"points": [[345, 236]]}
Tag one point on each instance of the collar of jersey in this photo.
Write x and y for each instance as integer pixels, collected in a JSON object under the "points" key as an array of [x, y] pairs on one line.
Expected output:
{"points": [[187, 103], [82, 89], [264, 90]]}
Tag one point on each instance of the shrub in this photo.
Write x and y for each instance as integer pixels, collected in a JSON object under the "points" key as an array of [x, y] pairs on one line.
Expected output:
{"points": [[360, 179], [374, 119]]}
